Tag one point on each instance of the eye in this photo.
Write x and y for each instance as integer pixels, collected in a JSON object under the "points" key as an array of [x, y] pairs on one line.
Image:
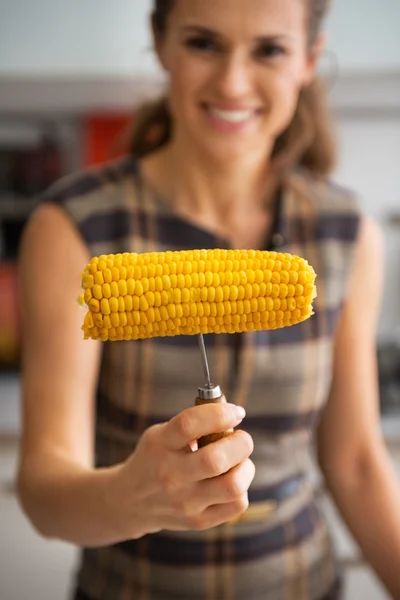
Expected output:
{"points": [[269, 51], [201, 44]]}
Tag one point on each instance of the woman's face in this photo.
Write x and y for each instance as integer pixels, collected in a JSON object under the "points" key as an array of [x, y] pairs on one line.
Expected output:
{"points": [[236, 68]]}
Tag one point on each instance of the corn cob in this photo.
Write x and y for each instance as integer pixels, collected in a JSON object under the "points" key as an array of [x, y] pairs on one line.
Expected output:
{"points": [[137, 296]]}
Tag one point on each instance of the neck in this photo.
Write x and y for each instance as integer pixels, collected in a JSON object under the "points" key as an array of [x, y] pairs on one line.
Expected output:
{"points": [[229, 190]]}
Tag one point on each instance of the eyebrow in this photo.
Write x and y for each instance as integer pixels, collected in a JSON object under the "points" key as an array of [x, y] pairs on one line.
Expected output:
{"points": [[210, 32]]}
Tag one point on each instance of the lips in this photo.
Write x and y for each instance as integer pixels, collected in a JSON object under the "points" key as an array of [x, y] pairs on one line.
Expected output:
{"points": [[231, 116]]}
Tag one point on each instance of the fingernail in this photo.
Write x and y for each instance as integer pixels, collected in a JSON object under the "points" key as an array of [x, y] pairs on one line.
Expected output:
{"points": [[240, 413]]}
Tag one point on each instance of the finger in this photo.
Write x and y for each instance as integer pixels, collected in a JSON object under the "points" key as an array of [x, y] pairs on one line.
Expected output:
{"points": [[220, 490], [225, 488], [217, 458], [195, 422], [220, 513], [212, 516], [194, 445]]}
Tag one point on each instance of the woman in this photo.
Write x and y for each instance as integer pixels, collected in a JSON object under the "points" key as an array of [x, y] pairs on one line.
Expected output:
{"points": [[238, 155]]}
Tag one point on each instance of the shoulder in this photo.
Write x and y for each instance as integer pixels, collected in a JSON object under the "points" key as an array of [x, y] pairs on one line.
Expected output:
{"points": [[326, 195], [333, 209], [96, 201], [90, 182], [369, 256]]}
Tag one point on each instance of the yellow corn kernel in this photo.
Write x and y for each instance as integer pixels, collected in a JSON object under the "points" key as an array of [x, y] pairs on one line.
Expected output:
{"points": [[128, 303], [112, 304], [283, 291], [107, 275], [276, 304], [269, 304], [134, 296], [300, 301], [276, 277], [139, 291], [106, 290], [275, 290], [98, 320], [114, 289], [94, 305], [87, 296], [98, 278], [114, 318], [97, 292], [219, 294], [122, 287], [247, 306], [143, 304], [106, 306], [88, 281], [303, 279], [89, 320], [172, 310], [130, 286], [285, 277]]}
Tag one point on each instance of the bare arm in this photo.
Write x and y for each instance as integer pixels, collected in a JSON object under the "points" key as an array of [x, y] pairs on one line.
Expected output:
{"points": [[162, 485], [58, 489], [351, 450]]}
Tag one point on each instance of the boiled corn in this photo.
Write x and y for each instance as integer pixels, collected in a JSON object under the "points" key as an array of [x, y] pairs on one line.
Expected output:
{"points": [[137, 296]]}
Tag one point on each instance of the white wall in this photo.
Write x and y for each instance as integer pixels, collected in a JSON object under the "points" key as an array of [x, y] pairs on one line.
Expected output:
{"points": [[364, 34], [99, 37], [88, 37], [369, 164]]}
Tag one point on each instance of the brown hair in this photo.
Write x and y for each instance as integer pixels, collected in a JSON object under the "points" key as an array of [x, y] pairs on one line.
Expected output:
{"points": [[307, 142]]}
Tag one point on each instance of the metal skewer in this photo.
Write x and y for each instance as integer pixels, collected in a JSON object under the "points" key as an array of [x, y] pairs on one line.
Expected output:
{"points": [[204, 360], [209, 391]]}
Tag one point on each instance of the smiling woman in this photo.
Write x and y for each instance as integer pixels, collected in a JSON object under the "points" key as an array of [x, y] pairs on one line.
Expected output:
{"points": [[236, 156], [220, 53]]}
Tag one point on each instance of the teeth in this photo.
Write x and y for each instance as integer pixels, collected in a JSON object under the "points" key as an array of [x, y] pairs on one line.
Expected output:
{"points": [[231, 116]]}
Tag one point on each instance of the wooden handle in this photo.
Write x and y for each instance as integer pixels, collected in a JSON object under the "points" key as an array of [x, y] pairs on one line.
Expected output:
{"points": [[212, 437]]}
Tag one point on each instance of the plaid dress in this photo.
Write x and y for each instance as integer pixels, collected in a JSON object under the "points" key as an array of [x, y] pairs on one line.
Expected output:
{"points": [[282, 378]]}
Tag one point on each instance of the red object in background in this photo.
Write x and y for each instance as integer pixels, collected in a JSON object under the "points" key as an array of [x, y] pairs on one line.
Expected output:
{"points": [[9, 322], [103, 135]]}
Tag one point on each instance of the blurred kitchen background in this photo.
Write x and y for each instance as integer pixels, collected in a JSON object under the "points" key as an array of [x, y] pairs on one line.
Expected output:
{"points": [[71, 74]]}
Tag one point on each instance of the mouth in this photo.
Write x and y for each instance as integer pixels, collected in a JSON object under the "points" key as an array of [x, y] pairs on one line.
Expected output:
{"points": [[230, 119], [231, 116]]}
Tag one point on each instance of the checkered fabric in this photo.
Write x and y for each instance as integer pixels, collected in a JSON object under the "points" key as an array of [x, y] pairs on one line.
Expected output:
{"points": [[282, 377]]}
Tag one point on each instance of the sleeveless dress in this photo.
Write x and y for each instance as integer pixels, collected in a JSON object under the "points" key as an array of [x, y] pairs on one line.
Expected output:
{"points": [[282, 377]]}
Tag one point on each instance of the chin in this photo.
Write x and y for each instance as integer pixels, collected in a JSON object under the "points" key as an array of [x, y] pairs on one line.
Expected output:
{"points": [[224, 151]]}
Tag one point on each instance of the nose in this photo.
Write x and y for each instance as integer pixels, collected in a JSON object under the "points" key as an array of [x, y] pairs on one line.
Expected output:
{"points": [[235, 77]]}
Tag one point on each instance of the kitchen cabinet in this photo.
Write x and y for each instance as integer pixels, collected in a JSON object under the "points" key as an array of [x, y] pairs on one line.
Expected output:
{"points": [[33, 154]]}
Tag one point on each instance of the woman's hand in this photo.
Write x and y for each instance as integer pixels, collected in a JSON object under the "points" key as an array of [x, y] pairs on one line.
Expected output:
{"points": [[167, 485]]}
